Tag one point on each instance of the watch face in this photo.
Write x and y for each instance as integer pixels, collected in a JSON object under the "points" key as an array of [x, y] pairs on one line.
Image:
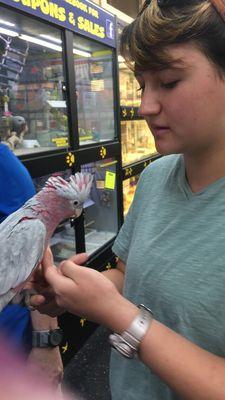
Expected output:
{"points": [[56, 337]]}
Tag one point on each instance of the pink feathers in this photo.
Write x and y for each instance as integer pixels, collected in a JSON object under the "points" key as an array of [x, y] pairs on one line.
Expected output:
{"points": [[78, 187]]}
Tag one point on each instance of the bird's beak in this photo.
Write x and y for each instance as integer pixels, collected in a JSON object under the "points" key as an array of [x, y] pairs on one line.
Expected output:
{"points": [[77, 212]]}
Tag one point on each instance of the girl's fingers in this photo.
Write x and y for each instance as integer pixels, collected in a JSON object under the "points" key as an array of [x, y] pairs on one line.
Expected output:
{"points": [[70, 270], [37, 300], [80, 258]]}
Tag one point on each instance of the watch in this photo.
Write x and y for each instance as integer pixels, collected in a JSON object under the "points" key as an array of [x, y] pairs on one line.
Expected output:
{"points": [[47, 338], [128, 342]]}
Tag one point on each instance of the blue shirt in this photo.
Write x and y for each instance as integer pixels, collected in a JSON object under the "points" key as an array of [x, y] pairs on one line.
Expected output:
{"points": [[16, 187]]}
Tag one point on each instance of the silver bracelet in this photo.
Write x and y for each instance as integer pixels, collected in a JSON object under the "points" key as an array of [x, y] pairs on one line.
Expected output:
{"points": [[128, 342]]}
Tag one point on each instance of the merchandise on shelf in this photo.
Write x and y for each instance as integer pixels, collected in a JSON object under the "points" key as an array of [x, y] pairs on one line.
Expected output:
{"points": [[137, 141], [129, 187], [129, 88]]}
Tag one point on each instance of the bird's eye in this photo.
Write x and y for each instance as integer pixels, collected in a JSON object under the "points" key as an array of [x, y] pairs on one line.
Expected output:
{"points": [[76, 203]]}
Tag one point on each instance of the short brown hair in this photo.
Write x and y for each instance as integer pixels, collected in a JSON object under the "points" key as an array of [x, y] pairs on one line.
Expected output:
{"points": [[144, 41]]}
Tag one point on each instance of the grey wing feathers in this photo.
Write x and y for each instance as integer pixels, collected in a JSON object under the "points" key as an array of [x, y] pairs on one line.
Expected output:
{"points": [[21, 249], [11, 221], [6, 298]]}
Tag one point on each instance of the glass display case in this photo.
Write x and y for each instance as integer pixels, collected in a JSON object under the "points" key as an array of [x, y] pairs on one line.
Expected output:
{"points": [[100, 211], [94, 91], [100, 216], [129, 188], [130, 94], [63, 242], [137, 140], [33, 110]]}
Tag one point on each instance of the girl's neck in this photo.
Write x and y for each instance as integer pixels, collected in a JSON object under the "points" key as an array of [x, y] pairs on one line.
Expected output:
{"points": [[205, 169]]}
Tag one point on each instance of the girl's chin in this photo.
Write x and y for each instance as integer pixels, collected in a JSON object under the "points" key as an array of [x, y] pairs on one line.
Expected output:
{"points": [[166, 151]]}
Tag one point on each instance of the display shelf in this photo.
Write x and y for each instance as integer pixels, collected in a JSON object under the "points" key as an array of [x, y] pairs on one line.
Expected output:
{"points": [[129, 113], [63, 243], [137, 141], [95, 240], [137, 168], [33, 150], [129, 188]]}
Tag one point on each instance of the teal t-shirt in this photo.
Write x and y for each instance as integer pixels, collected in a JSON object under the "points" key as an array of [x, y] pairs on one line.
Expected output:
{"points": [[173, 244]]}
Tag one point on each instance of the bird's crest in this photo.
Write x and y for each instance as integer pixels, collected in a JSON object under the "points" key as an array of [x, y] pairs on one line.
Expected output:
{"points": [[78, 186]]}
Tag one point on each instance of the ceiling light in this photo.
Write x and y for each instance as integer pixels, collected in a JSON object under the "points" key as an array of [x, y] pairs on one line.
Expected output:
{"points": [[51, 38], [81, 53], [8, 32], [41, 42], [3, 22]]}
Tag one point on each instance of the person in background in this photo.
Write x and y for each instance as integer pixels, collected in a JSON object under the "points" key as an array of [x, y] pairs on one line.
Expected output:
{"points": [[20, 381], [171, 247], [17, 323]]}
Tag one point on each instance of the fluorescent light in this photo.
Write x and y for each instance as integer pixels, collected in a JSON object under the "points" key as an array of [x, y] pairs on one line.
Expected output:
{"points": [[8, 32], [81, 53], [41, 42], [51, 38], [3, 22]]}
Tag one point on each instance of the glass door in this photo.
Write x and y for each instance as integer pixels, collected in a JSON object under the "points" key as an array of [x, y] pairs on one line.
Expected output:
{"points": [[94, 91], [33, 110]]}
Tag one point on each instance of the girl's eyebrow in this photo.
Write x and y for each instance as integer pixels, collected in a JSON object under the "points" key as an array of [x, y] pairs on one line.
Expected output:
{"points": [[177, 65]]}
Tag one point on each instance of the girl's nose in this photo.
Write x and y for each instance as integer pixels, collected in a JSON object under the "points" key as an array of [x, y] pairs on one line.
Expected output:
{"points": [[150, 104]]}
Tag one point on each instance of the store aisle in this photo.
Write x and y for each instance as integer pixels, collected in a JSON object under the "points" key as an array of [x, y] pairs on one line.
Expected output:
{"points": [[87, 375]]}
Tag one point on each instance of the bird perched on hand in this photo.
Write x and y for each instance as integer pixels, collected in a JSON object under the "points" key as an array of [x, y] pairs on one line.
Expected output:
{"points": [[25, 234]]}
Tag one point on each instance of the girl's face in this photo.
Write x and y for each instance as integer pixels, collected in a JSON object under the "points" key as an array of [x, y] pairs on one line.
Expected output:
{"points": [[184, 105]]}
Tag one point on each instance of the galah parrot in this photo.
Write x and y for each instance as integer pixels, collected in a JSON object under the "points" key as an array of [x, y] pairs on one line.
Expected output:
{"points": [[25, 234]]}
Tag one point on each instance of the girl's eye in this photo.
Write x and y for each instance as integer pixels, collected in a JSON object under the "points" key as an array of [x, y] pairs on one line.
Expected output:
{"points": [[169, 85]]}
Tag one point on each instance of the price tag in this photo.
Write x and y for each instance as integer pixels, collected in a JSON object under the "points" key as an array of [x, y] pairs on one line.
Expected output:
{"points": [[100, 184], [60, 141], [110, 180]]}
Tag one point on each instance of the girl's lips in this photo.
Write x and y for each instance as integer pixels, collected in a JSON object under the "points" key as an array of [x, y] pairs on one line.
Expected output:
{"points": [[160, 130]]}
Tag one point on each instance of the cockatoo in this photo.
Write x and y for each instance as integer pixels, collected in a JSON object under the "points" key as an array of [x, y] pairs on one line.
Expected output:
{"points": [[25, 234]]}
